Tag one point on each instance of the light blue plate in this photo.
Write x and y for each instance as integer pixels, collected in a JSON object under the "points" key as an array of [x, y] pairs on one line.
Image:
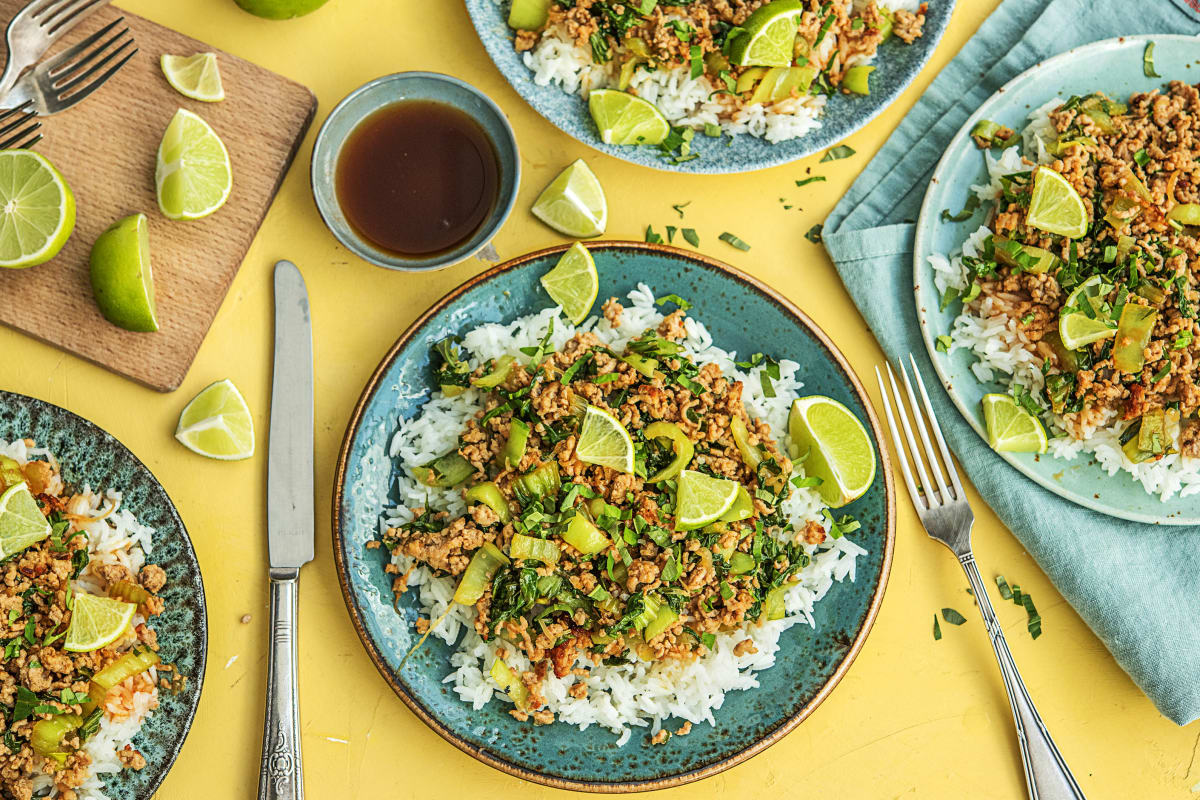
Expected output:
{"points": [[742, 315], [1113, 66], [897, 64]]}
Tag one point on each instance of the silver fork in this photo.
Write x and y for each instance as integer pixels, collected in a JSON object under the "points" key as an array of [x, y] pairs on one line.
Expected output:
{"points": [[68, 78], [34, 28], [947, 517], [19, 127]]}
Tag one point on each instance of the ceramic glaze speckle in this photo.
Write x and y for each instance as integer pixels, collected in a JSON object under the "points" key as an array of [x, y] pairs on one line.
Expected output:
{"points": [[810, 661], [1113, 66], [897, 65], [93, 457]]}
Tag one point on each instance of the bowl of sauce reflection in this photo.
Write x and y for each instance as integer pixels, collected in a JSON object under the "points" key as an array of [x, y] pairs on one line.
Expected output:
{"points": [[415, 171]]}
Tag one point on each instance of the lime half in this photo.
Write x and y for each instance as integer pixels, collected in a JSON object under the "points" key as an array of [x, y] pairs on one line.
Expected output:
{"points": [[122, 282], [701, 499], [96, 621], [573, 283], [838, 447], [197, 77], [280, 9], [1055, 206], [193, 177], [21, 520], [37, 209], [604, 441], [769, 36], [574, 203], [626, 119], [1080, 324], [217, 424], [1010, 428]]}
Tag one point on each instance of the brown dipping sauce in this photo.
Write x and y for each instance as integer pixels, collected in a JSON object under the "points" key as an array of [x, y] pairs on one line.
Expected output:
{"points": [[417, 178]]}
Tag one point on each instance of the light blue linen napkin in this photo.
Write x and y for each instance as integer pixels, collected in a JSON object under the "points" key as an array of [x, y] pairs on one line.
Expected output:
{"points": [[1137, 586]]}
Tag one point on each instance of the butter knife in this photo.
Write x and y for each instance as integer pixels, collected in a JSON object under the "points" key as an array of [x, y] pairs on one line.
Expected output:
{"points": [[290, 529]]}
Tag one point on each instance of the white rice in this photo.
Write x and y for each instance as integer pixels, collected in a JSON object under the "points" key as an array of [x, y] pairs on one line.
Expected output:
{"points": [[999, 346], [116, 538], [684, 100], [637, 693]]}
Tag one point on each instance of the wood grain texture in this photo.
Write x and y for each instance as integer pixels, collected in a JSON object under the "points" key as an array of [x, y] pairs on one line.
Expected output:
{"points": [[106, 148]]}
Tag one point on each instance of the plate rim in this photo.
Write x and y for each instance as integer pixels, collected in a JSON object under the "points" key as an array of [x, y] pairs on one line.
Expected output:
{"points": [[702, 166], [356, 616], [202, 659], [927, 217]]}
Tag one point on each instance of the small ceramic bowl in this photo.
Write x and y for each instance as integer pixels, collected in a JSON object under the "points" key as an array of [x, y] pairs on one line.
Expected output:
{"points": [[382, 92]]}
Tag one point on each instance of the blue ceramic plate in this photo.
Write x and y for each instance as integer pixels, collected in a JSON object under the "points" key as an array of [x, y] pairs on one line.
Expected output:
{"points": [[1113, 66], [91, 456], [742, 315], [897, 65]]}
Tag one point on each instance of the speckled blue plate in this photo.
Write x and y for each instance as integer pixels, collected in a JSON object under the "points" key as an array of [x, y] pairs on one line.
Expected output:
{"points": [[1113, 66], [897, 65], [742, 315], [91, 456]]}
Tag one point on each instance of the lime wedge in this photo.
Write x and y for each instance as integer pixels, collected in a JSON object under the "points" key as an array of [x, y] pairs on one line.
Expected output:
{"points": [[1055, 206], [769, 36], [573, 203], [1010, 428], [197, 77], [1076, 326], [625, 119], [193, 177], [96, 621], [838, 447], [604, 441], [573, 283], [280, 9], [37, 209], [701, 499], [122, 282], [217, 424], [21, 520]]}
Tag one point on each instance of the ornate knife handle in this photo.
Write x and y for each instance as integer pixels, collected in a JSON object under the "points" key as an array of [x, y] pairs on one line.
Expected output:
{"points": [[281, 776]]}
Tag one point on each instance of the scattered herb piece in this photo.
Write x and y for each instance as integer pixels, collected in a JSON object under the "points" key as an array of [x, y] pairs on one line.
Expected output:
{"points": [[937, 629], [652, 237], [679, 207], [673, 298], [969, 209], [943, 344], [732, 241], [813, 179], [836, 153], [1142, 157], [953, 617], [806, 482], [691, 237], [814, 233], [712, 131], [671, 229]]}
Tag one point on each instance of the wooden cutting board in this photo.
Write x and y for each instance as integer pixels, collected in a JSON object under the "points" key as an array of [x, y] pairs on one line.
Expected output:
{"points": [[106, 147]]}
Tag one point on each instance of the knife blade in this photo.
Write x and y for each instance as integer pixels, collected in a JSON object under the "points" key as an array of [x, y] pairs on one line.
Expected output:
{"points": [[291, 532]]}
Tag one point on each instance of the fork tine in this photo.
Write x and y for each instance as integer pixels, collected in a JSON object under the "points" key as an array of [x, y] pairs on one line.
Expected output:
{"points": [[71, 12], [97, 82], [27, 136], [900, 453], [47, 6], [60, 72], [931, 499], [24, 109], [937, 432], [70, 53], [920, 423], [63, 87]]}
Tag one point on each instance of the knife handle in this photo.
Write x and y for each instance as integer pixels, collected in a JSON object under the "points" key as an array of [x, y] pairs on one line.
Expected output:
{"points": [[281, 776]]}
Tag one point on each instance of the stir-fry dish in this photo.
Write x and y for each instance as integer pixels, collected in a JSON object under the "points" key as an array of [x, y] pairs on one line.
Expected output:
{"points": [[718, 66], [80, 667], [1089, 260], [621, 508]]}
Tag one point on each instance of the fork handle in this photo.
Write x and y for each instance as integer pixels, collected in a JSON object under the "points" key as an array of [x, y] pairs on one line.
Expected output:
{"points": [[1046, 773]]}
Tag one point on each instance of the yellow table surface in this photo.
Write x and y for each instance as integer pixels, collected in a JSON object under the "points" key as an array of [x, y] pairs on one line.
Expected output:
{"points": [[913, 718]]}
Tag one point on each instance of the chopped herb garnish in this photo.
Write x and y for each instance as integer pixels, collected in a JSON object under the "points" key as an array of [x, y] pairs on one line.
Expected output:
{"points": [[813, 179], [1142, 157], [953, 617], [679, 207], [968, 210], [652, 237], [1182, 340], [697, 71], [806, 482], [937, 629], [733, 241], [711, 130], [814, 233], [1148, 61], [673, 298], [691, 237], [836, 153], [1162, 373], [943, 344]]}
